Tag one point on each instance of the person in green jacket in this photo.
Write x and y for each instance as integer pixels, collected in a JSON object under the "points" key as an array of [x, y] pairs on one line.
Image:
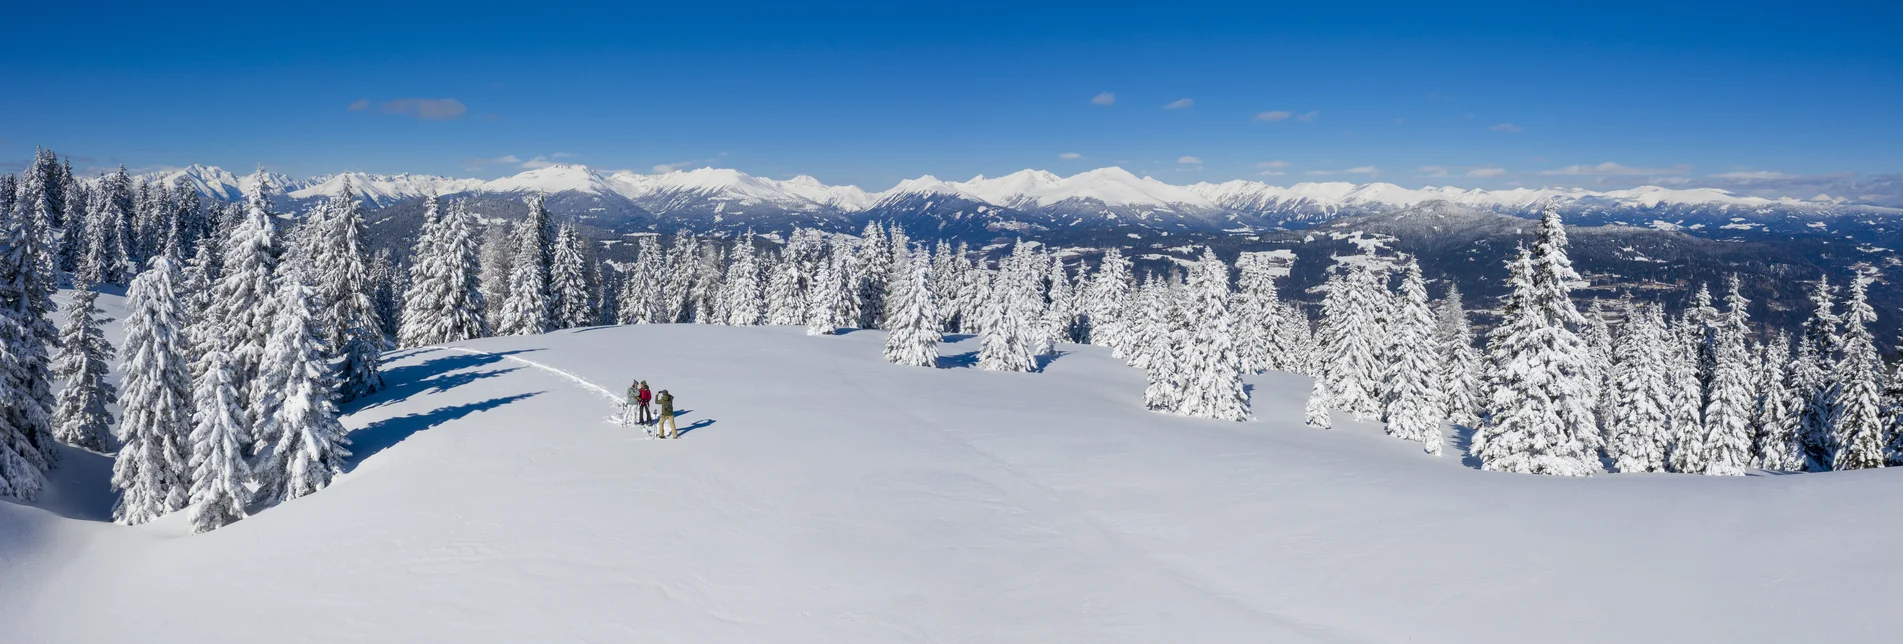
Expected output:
{"points": [[666, 426]]}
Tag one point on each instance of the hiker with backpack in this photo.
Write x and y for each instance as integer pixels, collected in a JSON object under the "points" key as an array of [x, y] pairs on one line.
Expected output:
{"points": [[665, 427]]}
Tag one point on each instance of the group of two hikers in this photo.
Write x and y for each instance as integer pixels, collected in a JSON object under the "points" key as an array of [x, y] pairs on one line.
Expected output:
{"points": [[639, 397]]}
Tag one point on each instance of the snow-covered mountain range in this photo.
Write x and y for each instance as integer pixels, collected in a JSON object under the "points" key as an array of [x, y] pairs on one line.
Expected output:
{"points": [[1105, 197]]}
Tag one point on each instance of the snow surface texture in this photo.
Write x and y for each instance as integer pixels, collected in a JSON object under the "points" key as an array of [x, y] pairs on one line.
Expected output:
{"points": [[821, 495], [1112, 186]]}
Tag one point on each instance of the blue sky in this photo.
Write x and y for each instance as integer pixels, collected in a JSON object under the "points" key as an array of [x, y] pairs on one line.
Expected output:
{"points": [[1781, 97]]}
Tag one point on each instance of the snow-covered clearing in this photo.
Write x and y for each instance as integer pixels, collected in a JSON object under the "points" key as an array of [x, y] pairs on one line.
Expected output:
{"points": [[821, 495]]}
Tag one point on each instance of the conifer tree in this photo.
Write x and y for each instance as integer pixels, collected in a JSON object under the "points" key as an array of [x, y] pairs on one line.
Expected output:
{"points": [[742, 287], [683, 260], [1460, 363], [386, 296], [75, 246], [1060, 314], [1413, 396], [1105, 301], [1258, 314], [568, 282], [642, 300], [151, 471], [1166, 333], [1727, 442], [1685, 451], [1777, 444], [108, 258], [495, 257], [27, 335], [444, 300], [307, 444], [1813, 381], [1315, 413], [1641, 394], [242, 303], [947, 280], [1212, 382], [913, 338], [343, 297], [1598, 336], [80, 418], [872, 270], [826, 301], [1003, 342], [785, 303], [1349, 334], [218, 468], [1699, 324], [1538, 406], [527, 311], [1859, 442], [710, 272]]}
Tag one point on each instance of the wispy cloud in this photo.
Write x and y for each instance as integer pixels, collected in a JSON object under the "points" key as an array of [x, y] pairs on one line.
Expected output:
{"points": [[1432, 171], [1067, 156], [682, 165], [1189, 160], [537, 163], [1610, 169], [560, 155], [482, 161], [428, 109], [1308, 116], [1508, 128], [1486, 172], [1755, 175], [1363, 169], [1272, 164], [1319, 173], [1180, 104], [1106, 98], [1273, 115]]}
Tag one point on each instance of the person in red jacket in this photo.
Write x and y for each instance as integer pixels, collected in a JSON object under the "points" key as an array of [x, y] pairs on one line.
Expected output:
{"points": [[643, 397]]}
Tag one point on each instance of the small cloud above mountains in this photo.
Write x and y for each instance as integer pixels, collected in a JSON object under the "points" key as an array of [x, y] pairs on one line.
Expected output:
{"points": [[426, 109]]}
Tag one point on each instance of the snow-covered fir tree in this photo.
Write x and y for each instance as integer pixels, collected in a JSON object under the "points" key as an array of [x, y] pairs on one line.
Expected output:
{"points": [[1598, 336], [27, 337], [1636, 437], [1539, 407], [152, 471], [444, 302], [1859, 424], [913, 317], [242, 306], [1350, 333], [1685, 451], [1060, 312], [1315, 412], [1212, 367], [682, 262], [785, 303], [343, 286], [108, 259], [80, 417], [641, 298], [495, 255], [1460, 364], [219, 471], [306, 443], [385, 296], [947, 281], [824, 300], [1165, 333], [1258, 314], [1004, 341], [710, 272], [871, 270], [527, 311], [742, 287], [1813, 378], [569, 301], [1412, 382], [1775, 438], [1105, 302], [1728, 409]]}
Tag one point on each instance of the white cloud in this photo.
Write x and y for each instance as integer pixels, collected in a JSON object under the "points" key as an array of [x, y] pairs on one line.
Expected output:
{"points": [[1308, 116], [1610, 169], [1106, 98], [1432, 171], [1508, 128], [1755, 175], [1272, 164], [1273, 115], [1363, 169], [1486, 172], [1190, 160], [1180, 104], [506, 158], [560, 155], [1270, 173], [1069, 156], [428, 109], [683, 165], [1320, 173], [537, 163]]}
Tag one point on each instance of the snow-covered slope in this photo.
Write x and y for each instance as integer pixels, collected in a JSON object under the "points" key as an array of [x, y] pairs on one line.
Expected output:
{"points": [[821, 495]]}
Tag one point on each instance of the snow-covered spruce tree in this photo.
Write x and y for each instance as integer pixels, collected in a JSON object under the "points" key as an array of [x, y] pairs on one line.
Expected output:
{"points": [[1598, 336], [1166, 333], [75, 238], [306, 443], [1212, 383], [218, 468], [1539, 405], [27, 336], [642, 298], [1641, 393], [1349, 335], [1315, 412], [1003, 342], [80, 418], [1413, 385], [785, 303], [825, 300], [1105, 302], [242, 301], [1460, 362], [1294, 338], [151, 471], [1059, 323], [1685, 451], [974, 285], [343, 289], [444, 299], [1813, 381], [569, 302], [1775, 439], [946, 279], [1258, 314], [1698, 325], [682, 260], [107, 259], [710, 272], [495, 256], [386, 296], [1728, 410], [1859, 422], [913, 318], [742, 287], [527, 311], [871, 271]]}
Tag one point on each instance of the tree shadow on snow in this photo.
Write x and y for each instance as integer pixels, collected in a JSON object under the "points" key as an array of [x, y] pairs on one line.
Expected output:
{"points": [[432, 376], [586, 329], [383, 434], [954, 338], [965, 360], [1044, 361], [1461, 440], [79, 488]]}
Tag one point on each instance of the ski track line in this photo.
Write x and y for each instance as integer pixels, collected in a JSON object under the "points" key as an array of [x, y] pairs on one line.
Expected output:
{"points": [[603, 391]]}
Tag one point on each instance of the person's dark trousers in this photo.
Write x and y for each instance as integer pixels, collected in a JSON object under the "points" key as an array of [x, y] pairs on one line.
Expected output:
{"points": [[647, 414]]}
